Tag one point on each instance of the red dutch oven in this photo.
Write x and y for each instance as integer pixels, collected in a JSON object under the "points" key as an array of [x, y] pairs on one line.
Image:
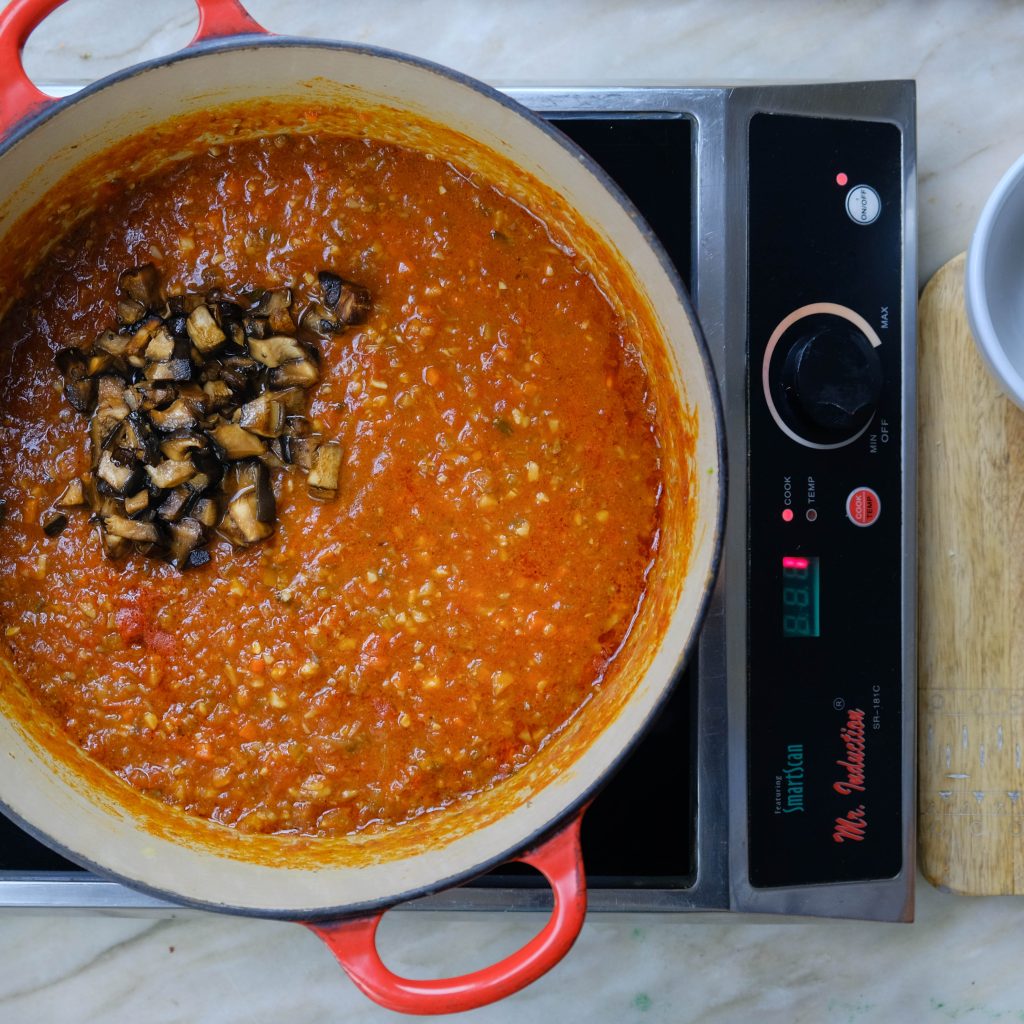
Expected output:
{"points": [[340, 888]]}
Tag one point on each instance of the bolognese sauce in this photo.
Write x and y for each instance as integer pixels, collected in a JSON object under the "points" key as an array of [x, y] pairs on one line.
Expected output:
{"points": [[417, 637]]}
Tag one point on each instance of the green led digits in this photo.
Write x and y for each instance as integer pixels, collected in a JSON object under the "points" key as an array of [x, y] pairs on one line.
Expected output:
{"points": [[800, 596]]}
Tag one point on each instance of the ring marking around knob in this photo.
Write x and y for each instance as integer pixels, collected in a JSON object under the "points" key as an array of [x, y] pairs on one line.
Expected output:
{"points": [[845, 313]]}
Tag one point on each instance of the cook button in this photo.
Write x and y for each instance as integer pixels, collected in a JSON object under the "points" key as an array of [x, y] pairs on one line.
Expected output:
{"points": [[863, 204], [863, 506]]}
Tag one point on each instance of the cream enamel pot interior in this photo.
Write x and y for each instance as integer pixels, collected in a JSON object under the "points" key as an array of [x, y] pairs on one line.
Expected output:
{"points": [[233, 61]]}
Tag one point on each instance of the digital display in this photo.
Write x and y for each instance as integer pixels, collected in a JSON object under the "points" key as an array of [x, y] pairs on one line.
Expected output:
{"points": [[800, 596]]}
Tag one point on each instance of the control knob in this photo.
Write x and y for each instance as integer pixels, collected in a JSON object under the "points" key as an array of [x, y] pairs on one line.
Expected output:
{"points": [[832, 377]]}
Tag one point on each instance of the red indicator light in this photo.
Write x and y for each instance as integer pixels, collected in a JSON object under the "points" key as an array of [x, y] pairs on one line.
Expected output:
{"points": [[787, 515], [841, 179], [795, 562]]}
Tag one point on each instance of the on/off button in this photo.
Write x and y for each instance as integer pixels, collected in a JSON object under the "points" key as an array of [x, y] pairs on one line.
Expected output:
{"points": [[863, 506], [863, 204]]}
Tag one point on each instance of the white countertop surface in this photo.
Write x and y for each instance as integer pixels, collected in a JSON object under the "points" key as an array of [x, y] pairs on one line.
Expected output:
{"points": [[960, 960]]}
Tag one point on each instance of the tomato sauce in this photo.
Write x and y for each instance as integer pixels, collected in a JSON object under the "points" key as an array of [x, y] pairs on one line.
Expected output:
{"points": [[422, 636]]}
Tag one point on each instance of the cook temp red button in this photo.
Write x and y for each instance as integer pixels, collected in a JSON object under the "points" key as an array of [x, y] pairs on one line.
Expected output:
{"points": [[863, 506]]}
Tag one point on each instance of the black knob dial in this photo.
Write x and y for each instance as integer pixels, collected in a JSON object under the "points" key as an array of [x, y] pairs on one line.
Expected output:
{"points": [[832, 377]]}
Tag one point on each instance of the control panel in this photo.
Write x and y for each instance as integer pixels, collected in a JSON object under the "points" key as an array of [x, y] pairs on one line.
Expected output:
{"points": [[824, 597]]}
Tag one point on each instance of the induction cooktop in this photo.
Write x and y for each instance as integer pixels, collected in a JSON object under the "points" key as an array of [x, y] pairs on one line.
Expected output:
{"points": [[779, 777]]}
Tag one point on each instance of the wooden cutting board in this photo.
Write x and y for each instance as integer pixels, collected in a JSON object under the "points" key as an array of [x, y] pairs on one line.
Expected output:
{"points": [[971, 607]]}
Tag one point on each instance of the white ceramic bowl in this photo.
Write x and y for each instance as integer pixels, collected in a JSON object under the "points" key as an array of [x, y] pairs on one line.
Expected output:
{"points": [[995, 283]]}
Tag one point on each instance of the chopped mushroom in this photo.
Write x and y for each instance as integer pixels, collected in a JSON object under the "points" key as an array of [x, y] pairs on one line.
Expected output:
{"points": [[257, 327], [134, 439], [114, 547], [177, 324], [74, 496], [170, 369], [186, 536], [240, 524], [53, 522], [301, 373], [209, 469], [276, 307], [239, 373], [218, 393], [276, 350], [195, 398], [351, 302], [145, 396], [131, 529], [160, 347], [299, 451], [116, 477], [109, 391], [330, 287], [318, 319], [325, 471], [103, 362], [264, 415], [130, 311], [176, 417], [181, 447], [227, 312], [105, 421], [190, 400], [137, 502], [184, 304], [142, 333], [170, 474], [203, 330], [251, 509], [295, 402], [198, 558], [173, 507], [111, 342], [142, 284], [79, 386], [236, 442], [206, 512]]}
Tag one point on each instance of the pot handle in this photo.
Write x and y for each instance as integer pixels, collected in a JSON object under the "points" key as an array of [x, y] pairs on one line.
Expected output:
{"points": [[560, 861], [19, 97], [219, 19]]}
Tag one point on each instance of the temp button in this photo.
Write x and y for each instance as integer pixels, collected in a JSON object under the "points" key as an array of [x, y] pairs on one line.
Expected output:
{"points": [[863, 204], [863, 506]]}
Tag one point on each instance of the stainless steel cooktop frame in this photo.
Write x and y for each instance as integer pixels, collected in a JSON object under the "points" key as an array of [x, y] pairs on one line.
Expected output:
{"points": [[721, 116]]}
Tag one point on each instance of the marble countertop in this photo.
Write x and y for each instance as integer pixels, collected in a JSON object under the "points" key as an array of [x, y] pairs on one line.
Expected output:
{"points": [[959, 961]]}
